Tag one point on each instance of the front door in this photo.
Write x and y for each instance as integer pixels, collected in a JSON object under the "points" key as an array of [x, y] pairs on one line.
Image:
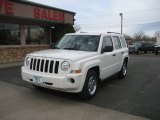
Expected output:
{"points": [[108, 60]]}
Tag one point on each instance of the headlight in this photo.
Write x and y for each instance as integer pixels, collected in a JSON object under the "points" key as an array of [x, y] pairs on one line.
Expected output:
{"points": [[28, 61], [65, 66]]}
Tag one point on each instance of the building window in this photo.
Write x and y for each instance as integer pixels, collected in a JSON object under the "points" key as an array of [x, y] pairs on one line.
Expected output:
{"points": [[9, 34], [36, 35]]}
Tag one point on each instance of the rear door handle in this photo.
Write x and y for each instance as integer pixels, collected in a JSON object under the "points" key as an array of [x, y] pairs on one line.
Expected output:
{"points": [[122, 52], [114, 54]]}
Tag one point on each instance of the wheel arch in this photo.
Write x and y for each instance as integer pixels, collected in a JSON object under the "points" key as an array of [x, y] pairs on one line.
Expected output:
{"points": [[126, 59], [96, 69], [94, 65]]}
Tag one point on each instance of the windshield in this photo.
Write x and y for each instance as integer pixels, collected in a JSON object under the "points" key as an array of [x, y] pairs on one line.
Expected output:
{"points": [[79, 42]]}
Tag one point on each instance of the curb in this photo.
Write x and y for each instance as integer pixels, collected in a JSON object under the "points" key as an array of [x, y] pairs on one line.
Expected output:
{"points": [[9, 65]]}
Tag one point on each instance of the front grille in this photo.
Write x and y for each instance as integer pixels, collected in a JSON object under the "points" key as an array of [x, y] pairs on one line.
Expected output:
{"points": [[44, 65]]}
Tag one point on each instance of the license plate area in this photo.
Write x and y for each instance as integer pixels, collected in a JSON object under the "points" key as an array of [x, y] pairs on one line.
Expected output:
{"points": [[37, 80]]}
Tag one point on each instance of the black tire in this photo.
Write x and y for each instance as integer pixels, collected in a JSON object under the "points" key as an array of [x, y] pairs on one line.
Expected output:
{"points": [[145, 51], [123, 72], [89, 91]]}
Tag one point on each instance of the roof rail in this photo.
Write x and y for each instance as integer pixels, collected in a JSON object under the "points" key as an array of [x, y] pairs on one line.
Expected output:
{"points": [[114, 32]]}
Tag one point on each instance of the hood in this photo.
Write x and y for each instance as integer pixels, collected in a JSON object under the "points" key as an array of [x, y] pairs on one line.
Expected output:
{"points": [[63, 54]]}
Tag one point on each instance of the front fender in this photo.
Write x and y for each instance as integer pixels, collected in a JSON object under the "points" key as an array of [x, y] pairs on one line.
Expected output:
{"points": [[86, 66]]}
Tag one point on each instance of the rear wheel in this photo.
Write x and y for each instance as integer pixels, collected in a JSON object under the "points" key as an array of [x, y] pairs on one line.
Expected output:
{"points": [[90, 85], [123, 71]]}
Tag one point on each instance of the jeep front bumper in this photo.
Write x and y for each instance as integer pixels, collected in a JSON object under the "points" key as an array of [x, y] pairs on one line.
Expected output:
{"points": [[68, 83]]}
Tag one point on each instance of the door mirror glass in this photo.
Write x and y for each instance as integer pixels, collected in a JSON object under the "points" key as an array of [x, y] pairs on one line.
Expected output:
{"points": [[107, 45], [107, 49]]}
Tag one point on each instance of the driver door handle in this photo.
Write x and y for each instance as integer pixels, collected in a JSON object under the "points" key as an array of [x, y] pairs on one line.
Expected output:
{"points": [[114, 54]]}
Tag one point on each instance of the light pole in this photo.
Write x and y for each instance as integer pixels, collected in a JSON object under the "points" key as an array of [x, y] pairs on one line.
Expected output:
{"points": [[121, 14]]}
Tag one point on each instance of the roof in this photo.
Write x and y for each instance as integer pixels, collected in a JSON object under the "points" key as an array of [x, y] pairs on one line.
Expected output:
{"points": [[94, 33], [41, 5]]}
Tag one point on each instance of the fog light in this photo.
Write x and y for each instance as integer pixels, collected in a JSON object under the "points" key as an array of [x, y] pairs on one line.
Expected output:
{"points": [[76, 71], [72, 80]]}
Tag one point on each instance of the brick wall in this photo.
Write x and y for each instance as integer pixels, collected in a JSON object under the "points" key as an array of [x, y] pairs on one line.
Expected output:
{"points": [[10, 54]]}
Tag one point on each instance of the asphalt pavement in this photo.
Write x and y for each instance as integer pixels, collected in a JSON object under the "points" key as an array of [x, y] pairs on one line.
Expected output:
{"points": [[137, 94]]}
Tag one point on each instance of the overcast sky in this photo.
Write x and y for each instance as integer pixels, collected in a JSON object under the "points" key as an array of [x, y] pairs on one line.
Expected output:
{"points": [[103, 15]]}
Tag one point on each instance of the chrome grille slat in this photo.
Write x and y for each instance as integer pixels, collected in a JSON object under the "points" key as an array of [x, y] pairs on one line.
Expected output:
{"points": [[40, 65], [49, 65], [36, 64], [44, 65]]}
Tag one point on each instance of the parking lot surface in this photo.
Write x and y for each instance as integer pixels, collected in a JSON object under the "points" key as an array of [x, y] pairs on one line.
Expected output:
{"points": [[137, 94]]}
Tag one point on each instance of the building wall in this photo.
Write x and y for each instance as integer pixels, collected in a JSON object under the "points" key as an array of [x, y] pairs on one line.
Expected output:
{"points": [[24, 17], [10, 54]]}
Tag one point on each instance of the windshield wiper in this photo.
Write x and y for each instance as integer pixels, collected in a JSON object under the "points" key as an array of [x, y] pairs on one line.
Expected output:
{"points": [[55, 47], [69, 48]]}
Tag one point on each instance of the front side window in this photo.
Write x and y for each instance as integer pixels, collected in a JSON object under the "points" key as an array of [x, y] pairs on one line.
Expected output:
{"points": [[107, 42], [79, 42], [117, 42]]}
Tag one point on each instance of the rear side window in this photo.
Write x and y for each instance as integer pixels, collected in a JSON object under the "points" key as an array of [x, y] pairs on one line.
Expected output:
{"points": [[124, 44], [117, 42]]}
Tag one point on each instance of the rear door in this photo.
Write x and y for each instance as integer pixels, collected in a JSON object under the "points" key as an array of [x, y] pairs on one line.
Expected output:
{"points": [[118, 52]]}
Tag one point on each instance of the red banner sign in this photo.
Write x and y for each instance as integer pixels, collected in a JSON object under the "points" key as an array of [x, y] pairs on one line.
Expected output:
{"points": [[8, 7], [46, 14], [18, 9]]}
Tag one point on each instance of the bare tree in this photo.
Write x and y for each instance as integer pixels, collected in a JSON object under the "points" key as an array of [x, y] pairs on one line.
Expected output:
{"points": [[77, 27], [138, 36], [157, 33], [128, 38]]}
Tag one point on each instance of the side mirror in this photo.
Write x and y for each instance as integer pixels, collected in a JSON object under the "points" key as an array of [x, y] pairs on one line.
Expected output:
{"points": [[107, 49]]}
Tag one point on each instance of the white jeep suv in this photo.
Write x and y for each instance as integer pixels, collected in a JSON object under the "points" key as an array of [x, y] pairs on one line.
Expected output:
{"points": [[77, 63]]}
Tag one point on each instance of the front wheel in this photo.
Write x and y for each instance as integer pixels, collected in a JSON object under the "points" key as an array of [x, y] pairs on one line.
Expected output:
{"points": [[122, 74], [90, 85]]}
